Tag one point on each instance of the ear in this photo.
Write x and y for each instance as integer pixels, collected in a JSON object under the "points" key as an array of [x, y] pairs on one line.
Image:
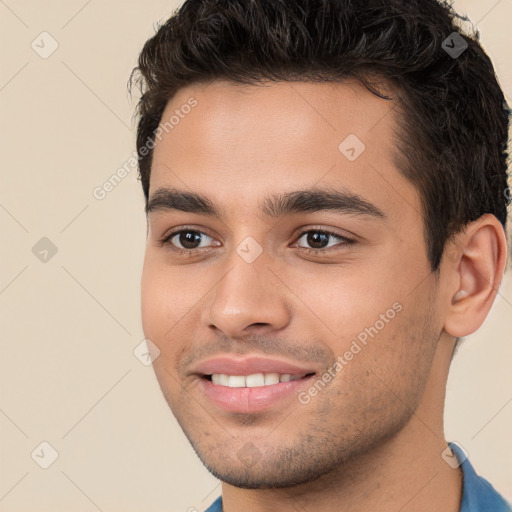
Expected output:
{"points": [[473, 267]]}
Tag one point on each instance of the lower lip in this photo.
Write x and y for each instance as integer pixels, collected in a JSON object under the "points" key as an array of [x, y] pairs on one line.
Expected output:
{"points": [[249, 400]]}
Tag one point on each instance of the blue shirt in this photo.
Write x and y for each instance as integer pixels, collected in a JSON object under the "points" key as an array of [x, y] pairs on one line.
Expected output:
{"points": [[478, 495]]}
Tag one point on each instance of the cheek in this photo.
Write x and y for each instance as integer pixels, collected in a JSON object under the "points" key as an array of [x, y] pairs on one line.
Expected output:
{"points": [[170, 300], [376, 319], [401, 353], [157, 322], [161, 309], [166, 294], [348, 300], [153, 301]]}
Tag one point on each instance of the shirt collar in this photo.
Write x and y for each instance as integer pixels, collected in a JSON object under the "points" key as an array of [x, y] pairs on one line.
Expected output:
{"points": [[477, 493]]}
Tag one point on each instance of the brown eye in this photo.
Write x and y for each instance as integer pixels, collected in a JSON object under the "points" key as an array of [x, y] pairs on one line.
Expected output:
{"points": [[317, 240], [320, 239], [189, 239], [186, 240]]}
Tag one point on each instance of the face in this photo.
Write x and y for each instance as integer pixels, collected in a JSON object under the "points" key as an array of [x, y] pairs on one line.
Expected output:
{"points": [[286, 281]]}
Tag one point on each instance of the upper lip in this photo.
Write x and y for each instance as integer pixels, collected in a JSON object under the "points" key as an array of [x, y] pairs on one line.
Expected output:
{"points": [[248, 365]]}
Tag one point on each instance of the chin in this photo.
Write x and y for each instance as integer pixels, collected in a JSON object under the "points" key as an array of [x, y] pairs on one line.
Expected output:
{"points": [[282, 470]]}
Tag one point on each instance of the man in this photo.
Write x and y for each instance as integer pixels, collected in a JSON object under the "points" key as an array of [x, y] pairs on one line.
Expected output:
{"points": [[326, 196]]}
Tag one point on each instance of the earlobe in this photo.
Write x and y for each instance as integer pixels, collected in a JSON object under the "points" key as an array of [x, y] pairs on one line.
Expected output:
{"points": [[473, 274]]}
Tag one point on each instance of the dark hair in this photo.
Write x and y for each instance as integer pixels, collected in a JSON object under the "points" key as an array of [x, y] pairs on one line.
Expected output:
{"points": [[453, 123]]}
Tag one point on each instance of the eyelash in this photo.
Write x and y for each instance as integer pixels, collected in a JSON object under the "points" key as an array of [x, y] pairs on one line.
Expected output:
{"points": [[192, 252]]}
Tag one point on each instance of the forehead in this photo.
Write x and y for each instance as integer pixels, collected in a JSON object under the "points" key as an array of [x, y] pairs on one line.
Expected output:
{"points": [[284, 115], [238, 142]]}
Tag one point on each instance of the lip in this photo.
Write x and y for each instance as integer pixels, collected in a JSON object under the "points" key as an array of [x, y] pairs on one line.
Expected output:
{"points": [[248, 365], [250, 400]]}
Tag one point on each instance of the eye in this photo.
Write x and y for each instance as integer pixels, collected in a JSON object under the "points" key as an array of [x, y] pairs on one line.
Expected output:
{"points": [[318, 239], [186, 240]]}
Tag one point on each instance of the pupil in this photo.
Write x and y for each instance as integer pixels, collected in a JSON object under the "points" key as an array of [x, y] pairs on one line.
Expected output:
{"points": [[313, 239], [189, 238]]}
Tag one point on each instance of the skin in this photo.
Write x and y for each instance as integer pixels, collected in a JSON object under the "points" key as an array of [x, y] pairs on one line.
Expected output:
{"points": [[372, 439]]}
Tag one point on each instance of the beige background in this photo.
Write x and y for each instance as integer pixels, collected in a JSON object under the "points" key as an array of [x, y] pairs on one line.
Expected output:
{"points": [[68, 375]]}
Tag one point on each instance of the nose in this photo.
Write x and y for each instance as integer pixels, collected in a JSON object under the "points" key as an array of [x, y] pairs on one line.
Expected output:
{"points": [[249, 299]]}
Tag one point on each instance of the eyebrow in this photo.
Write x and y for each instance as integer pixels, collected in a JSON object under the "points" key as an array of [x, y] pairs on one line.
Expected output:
{"points": [[276, 205]]}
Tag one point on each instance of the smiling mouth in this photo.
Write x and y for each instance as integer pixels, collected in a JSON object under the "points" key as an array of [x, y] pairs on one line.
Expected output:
{"points": [[254, 380]]}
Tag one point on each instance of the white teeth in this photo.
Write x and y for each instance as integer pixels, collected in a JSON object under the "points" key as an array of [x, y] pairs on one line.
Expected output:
{"points": [[271, 378], [236, 381], [220, 379], [252, 381]]}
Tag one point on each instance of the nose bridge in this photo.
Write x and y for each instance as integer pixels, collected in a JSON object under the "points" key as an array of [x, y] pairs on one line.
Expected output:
{"points": [[246, 295]]}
